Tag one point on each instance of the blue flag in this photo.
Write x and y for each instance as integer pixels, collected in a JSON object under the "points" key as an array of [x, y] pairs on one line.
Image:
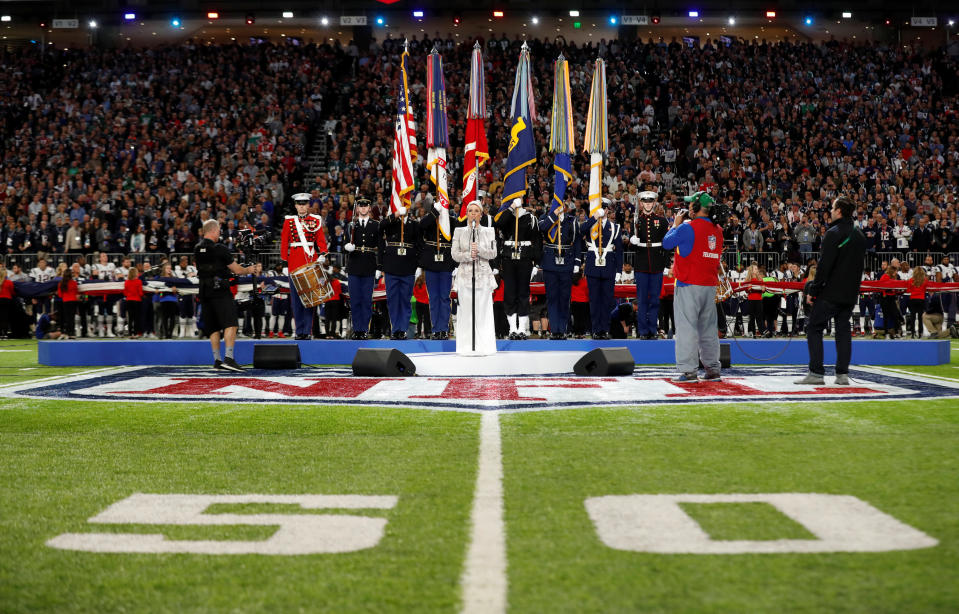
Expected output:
{"points": [[522, 151], [563, 167]]}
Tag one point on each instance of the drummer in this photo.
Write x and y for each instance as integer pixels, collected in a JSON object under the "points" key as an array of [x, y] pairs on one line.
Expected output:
{"points": [[302, 242]]}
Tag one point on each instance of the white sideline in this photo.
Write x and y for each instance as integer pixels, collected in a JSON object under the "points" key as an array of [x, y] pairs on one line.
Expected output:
{"points": [[484, 576]]}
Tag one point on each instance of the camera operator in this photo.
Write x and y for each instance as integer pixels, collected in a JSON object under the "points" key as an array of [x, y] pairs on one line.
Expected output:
{"points": [[215, 263]]}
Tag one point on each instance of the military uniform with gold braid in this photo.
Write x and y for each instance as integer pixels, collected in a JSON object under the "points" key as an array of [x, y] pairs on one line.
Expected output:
{"points": [[361, 262], [437, 262], [399, 251]]}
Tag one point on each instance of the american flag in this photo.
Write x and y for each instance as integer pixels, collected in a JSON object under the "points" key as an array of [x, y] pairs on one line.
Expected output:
{"points": [[404, 145]]}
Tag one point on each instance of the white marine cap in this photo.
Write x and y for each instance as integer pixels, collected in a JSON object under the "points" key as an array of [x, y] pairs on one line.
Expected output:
{"points": [[302, 196], [647, 194]]}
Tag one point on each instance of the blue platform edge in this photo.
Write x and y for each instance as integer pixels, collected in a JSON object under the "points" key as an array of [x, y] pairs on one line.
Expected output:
{"points": [[120, 352]]}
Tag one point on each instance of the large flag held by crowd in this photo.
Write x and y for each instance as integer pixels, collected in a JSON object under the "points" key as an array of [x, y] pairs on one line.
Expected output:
{"points": [[437, 138], [476, 150], [522, 149], [561, 140], [404, 144], [596, 140]]}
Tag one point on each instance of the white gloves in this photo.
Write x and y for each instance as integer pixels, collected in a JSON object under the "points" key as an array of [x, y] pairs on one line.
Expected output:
{"points": [[495, 271], [634, 240], [600, 213], [517, 203], [576, 268], [349, 247], [321, 259], [400, 211]]}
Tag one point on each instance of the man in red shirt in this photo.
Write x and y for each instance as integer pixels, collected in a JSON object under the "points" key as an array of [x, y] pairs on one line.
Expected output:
{"points": [[699, 247], [302, 242]]}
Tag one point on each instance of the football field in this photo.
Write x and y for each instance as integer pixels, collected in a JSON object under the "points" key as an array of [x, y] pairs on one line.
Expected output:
{"points": [[121, 491]]}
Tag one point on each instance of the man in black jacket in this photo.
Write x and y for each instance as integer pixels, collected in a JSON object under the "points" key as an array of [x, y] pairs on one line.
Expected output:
{"points": [[834, 292]]}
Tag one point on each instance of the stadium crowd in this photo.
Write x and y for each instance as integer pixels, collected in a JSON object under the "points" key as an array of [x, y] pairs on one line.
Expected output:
{"points": [[137, 148]]}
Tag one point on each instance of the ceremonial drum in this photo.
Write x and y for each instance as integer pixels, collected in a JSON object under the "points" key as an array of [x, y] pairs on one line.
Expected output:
{"points": [[312, 285]]}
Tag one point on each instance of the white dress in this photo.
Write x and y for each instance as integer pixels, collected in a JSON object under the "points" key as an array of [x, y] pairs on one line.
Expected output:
{"points": [[485, 285]]}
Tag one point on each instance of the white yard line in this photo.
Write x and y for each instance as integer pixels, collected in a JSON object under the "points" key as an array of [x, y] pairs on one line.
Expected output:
{"points": [[65, 378], [935, 379], [484, 577]]}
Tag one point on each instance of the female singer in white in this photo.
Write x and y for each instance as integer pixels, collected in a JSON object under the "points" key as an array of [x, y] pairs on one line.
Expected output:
{"points": [[473, 247]]}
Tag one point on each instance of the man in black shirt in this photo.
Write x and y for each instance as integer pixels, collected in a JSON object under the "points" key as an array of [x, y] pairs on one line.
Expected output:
{"points": [[834, 292], [215, 263]]}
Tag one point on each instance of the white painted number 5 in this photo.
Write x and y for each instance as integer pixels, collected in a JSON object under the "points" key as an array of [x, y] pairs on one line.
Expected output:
{"points": [[297, 533]]}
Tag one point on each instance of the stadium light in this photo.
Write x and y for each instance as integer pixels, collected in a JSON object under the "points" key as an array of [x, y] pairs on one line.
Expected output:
{"points": [[129, 16], [655, 20], [952, 22], [457, 20], [846, 15], [418, 14], [5, 18], [212, 15], [770, 14], [731, 21], [808, 20], [287, 14], [250, 20], [693, 14], [535, 21], [380, 21], [574, 13], [497, 14], [324, 21], [612, 20], [577, 24], [175, 22], [92, 24]]}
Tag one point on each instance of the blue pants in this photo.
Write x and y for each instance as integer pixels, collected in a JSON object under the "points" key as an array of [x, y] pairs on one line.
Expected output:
{"points": [[302, 314], [399, 291], [559, 285], [602, 299], [648, 286], [438, 286], [361, 301]]}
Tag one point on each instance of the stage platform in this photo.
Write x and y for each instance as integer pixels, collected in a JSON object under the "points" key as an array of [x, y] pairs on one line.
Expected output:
{"points": [[119, 352]]}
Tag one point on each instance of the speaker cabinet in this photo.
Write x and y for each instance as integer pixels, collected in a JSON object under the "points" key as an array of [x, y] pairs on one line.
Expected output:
{"points": [[276, 356], [605, 361], [725, 359], [384, 362]]}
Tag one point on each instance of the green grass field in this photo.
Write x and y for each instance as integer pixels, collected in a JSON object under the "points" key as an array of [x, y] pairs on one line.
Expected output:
{"points": [[64, 462]]}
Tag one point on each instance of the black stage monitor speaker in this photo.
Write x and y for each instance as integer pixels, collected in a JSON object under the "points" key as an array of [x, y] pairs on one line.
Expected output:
{"points": [[276, 356], [386, 362], [605, 361], [725, 360]]}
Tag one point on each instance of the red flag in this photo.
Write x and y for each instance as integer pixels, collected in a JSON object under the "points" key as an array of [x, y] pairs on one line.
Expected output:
{"points": [[477, 152]]}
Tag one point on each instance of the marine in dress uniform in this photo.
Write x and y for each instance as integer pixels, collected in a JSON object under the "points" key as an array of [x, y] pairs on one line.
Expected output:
{"points": [[521, 250], [400, 253], [362, 251], [648, 264], [302, 242], [602, 260], [562, 255], [437, 262]]}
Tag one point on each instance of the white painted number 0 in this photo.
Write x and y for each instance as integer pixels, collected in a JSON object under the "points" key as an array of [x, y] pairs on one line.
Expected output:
{"points": [[841, 523], [297, 533]]}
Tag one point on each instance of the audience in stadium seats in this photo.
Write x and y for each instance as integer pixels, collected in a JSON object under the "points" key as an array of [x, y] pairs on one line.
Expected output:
{"points": [[134, 154]]}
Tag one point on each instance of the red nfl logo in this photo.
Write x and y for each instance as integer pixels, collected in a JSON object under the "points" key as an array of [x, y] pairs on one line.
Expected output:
{"points": [[712, 242]]}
